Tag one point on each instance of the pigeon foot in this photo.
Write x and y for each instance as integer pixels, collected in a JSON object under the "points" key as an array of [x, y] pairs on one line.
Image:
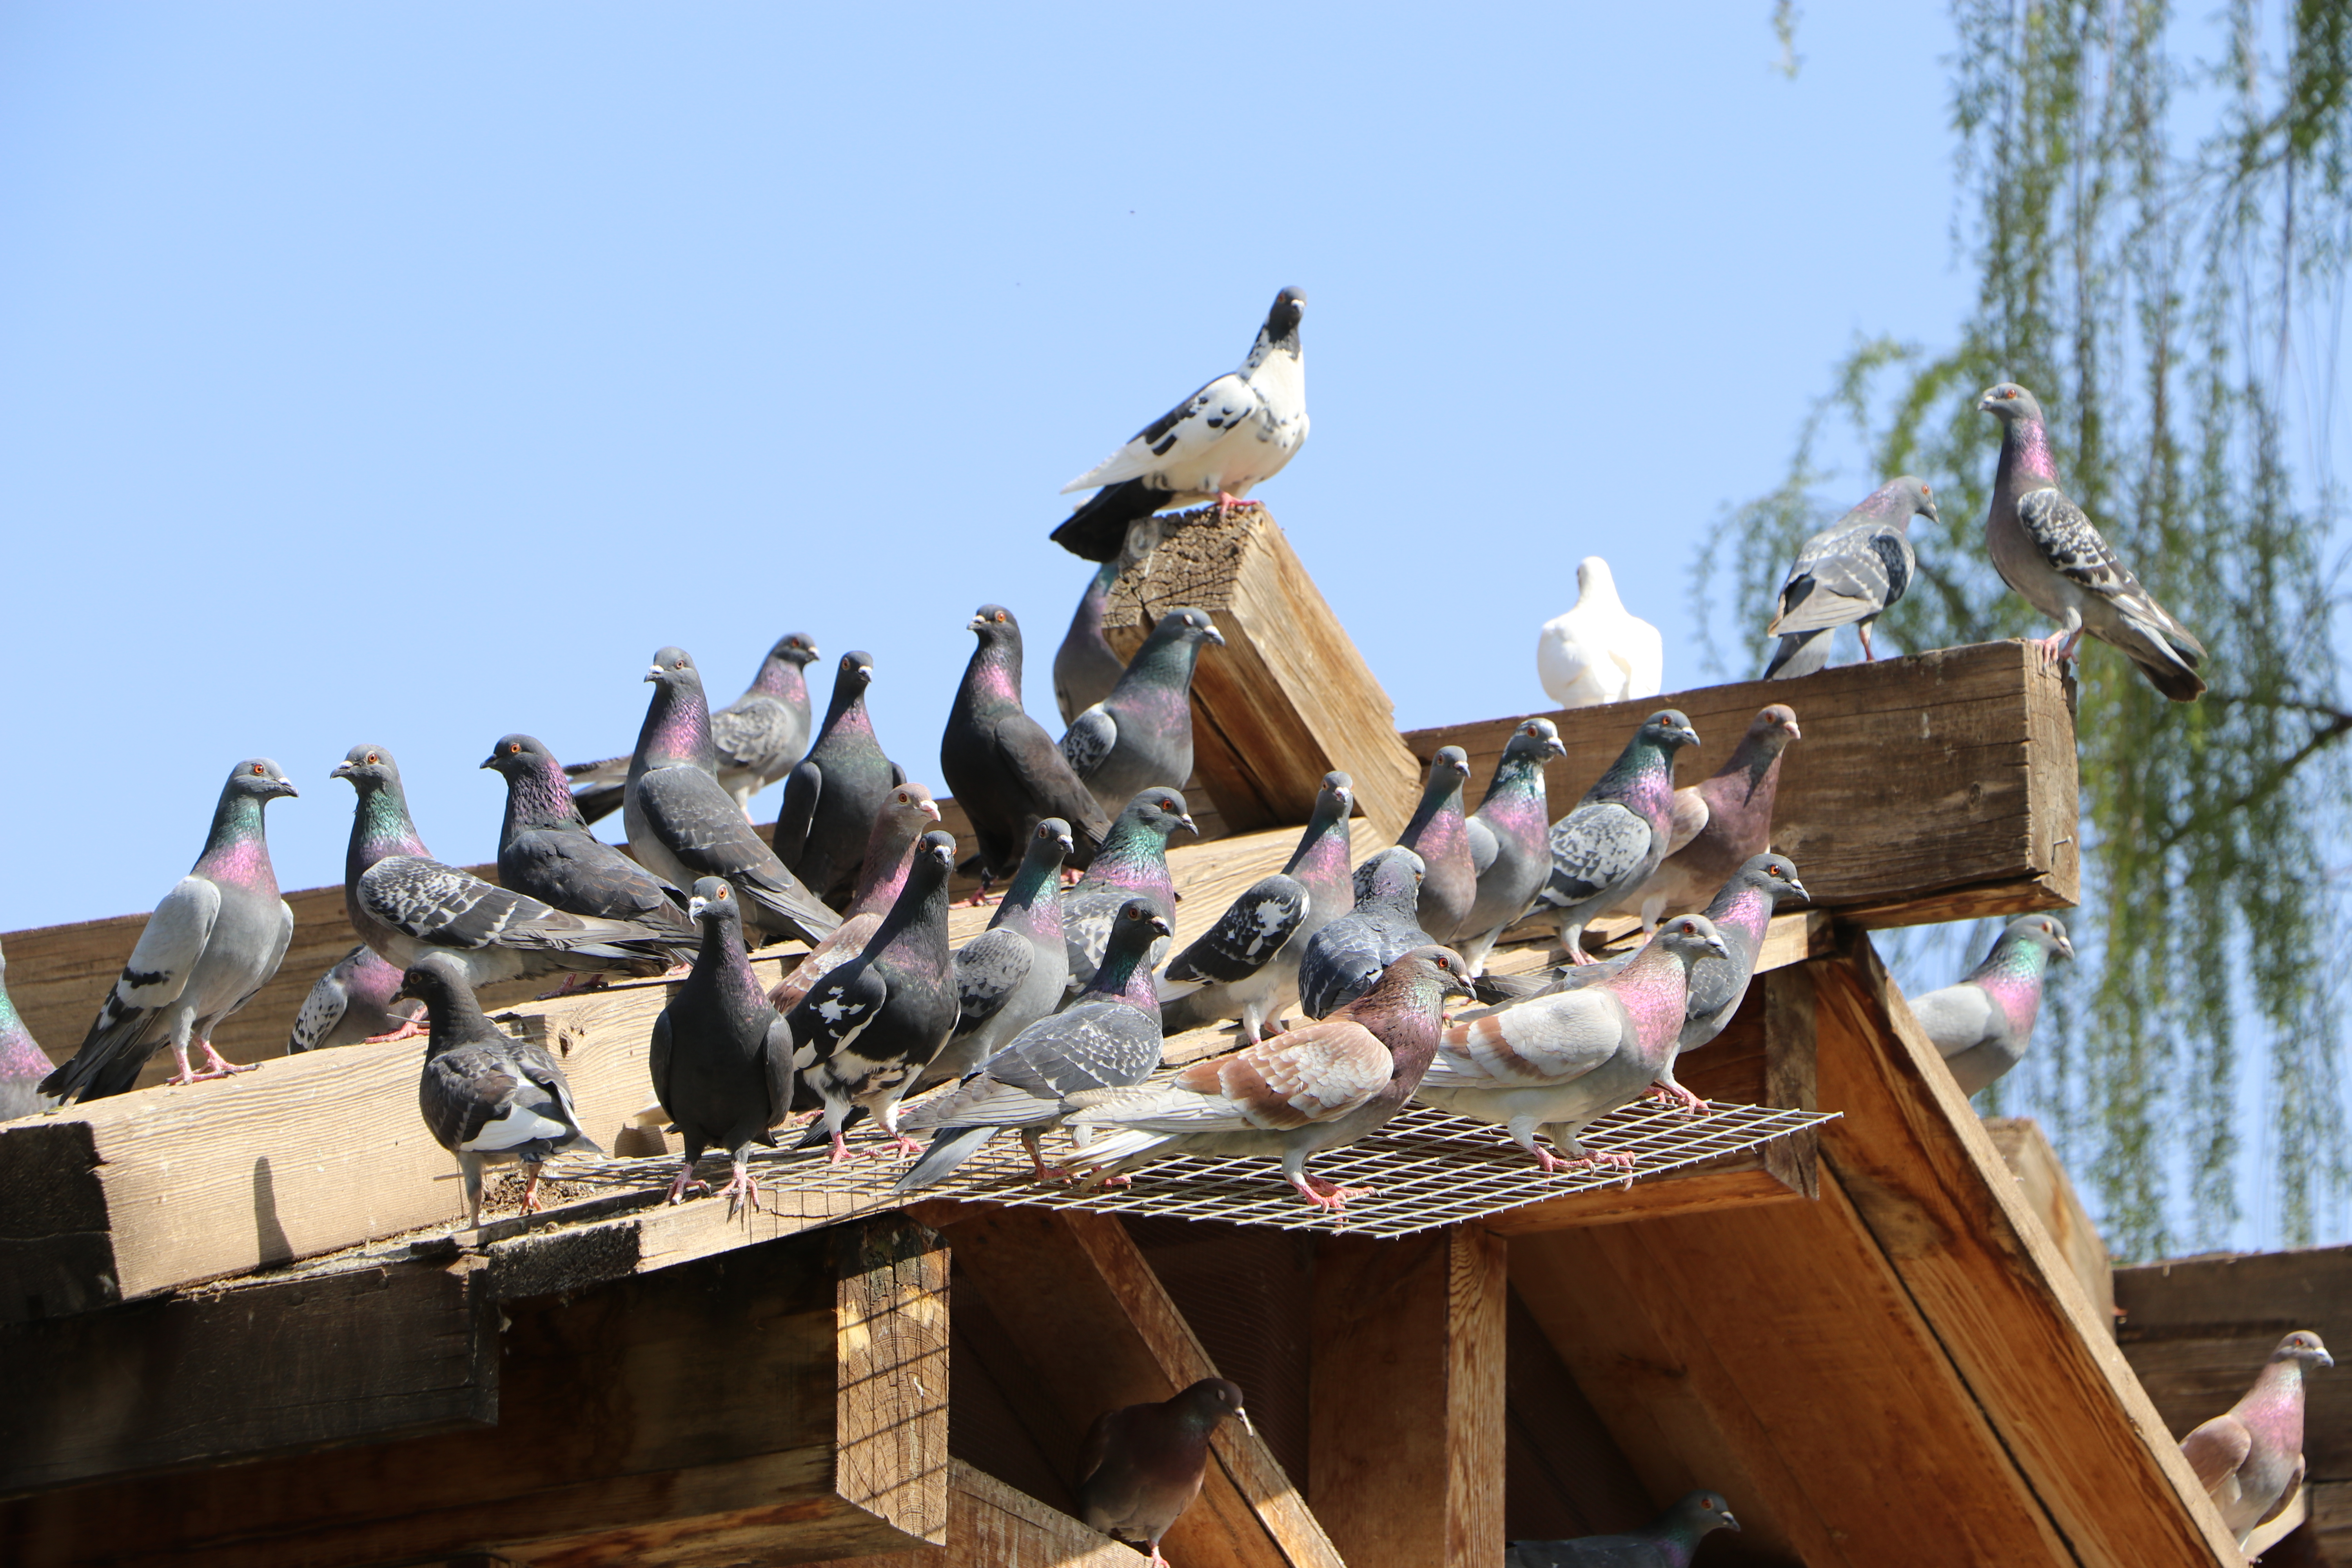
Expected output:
{"points": [[411, 1030], [685, 1183], [574, 983], [531, 1203], [215, 1065], [743, 1186], [1676, 1095], [1329, 1195]]}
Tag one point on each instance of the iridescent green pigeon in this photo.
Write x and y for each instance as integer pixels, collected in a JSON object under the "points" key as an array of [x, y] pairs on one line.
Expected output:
{"points": [[23, 1063], [1982, 1025], [2249, 1458], [1439, 833], [1619, 833], [1509, 848]]}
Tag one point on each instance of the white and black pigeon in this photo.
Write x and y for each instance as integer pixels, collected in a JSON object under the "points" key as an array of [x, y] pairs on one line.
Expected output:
{"points": [[831, 796], [1982, 1025], [1439, 833], [1142, 734], [683, 825], [1085, 667], [1619, 833], [1348, 957], [1598, 651], [1132, 863], [351, 1004], [754, 740], [1001, 765], [1246, 964], [721, 1057], [2046, 550], [23, 1063], [546, 850], [487, 1097], [1016, 972], [1108, 1038], [403, 902], [1509, 841], [1233, 435], [1848, 574], [216, 939]]}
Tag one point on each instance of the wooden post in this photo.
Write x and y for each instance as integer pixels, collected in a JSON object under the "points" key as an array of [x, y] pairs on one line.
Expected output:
{"points": [[2051, 1196], [1790, 1073]]}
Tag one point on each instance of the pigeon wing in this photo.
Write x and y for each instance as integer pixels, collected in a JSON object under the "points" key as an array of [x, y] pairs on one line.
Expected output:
{"points": [[1177, 437], [1596, 846], [2215, 1449], [1253, 928], [1091, 736], [988, 970]]}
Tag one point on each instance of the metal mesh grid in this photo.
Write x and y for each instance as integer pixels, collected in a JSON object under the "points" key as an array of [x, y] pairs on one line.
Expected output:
{"points": [[1428, 1168]]}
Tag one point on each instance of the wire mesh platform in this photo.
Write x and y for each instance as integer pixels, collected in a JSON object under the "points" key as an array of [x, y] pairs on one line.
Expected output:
{"points": [[1427, 1169]]}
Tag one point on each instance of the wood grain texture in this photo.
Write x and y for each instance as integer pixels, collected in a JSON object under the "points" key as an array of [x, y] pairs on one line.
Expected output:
{"points": [[1734, 1181], [1791, 1076], [890, 1375], [2049, 1194], [991, 1525]]}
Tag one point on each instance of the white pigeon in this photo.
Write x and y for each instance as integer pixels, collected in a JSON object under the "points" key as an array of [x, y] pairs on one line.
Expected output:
{"points": [[1599, 652]]}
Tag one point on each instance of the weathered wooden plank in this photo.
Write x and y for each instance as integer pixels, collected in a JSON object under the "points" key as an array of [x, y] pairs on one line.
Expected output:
{"points": [[2051, 1196], [1735, 1181], [991, 1525]]}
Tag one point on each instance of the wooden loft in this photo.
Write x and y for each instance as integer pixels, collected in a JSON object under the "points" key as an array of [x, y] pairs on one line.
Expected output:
{"points": [[248, 1335]]}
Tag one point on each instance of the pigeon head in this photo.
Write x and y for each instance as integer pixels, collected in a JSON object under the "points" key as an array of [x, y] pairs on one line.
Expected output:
{"points": [[1669, 731], [1595, 584], [437, 980], [1188, 626], [2010, 402], [521, 756], [2303, 1346], [1775, 726], [1282, 321], [1139, 925], [795, 648], [995, 622], [935, 853], [1211, 1400], [2044, 931], [853, 674], [1775, 875], [370, 768], [1915, 498], [1451, 760], [674, 667], [1396, 874], [1440, 966], [258, 778], [1692, 938], [1161, 810], [1536, 737], [1053, 830], [1699, 1512], [1339, 790], [911, 803], [713, 900]]}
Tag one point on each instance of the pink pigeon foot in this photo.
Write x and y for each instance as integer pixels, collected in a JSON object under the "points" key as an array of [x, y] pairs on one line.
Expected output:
{"points": [[2059, 645], [905, 1144], [685, 1182], [1329, 1195], [215, 1065], [1862, 631], [1676, 1095], [531, 1191], [742, 1186], [408, 1031], [573, 984]]}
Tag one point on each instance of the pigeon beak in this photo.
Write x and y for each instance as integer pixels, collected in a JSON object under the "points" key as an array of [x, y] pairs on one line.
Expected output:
{"points": [[654, 673], [1555, 747], [1794, 734], [2325, 1360], [491, 760], [1933, 516], [342, 771], [1729, 1522], [1214, 635], [1243, 1416], [977, 623], [286, 787], [1984, 404], [1186, 824], [1799, 889], [2066, 947], [930, 809], [695, 906]]}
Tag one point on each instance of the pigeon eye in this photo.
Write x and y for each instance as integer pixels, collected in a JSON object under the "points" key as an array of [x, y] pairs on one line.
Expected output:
{"points": [[257, 770], [371, 757], [514, 749]]}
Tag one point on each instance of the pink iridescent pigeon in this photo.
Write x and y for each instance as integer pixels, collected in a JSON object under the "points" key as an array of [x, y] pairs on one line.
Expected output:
{"points": [[2251, 1459], [1720, 822], [1508, 841], [1440, 833], [23, 1063], [1982, 1025]]}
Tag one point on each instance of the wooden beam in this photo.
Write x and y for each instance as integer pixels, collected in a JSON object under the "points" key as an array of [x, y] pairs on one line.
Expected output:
{"points": [[1734, 1181], [2051, 1196], [1406, 1442], [991, 1525]]}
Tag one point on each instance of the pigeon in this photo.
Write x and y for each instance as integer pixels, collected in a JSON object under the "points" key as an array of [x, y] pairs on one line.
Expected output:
{"points": [[487, 1096], [1619, 832], [1142, 734], [1108, 1038], [1321, 1086], [1016, 972], [832, 794], [403, 902], [898, 826], [1561, 1062], [23, 1063], [1510, 852], [1671, 1541], [1598, 651], [1233, 434], [1440, 834], [1133, 862], [755, 738], [1720, 822], [999, 762], [351, 1004], [863, 1032], [1348, 957], [214, 941], [2048, 554], [721, 1057], [683, 826], [2250, 1460], [1982, 1025], [546, 850], [1085, 667], [1848, 574], [1143, 1466], [1246, 964]]}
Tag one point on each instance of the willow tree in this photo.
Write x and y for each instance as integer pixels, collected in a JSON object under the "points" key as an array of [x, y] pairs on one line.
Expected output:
{"points": [[2161, 245]]}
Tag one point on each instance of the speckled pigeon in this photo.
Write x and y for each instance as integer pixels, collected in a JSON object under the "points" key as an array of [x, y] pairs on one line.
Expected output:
{"points": [[832, 794], [683, 825], [721, 1057], [352, 1003], [1233, 434], [1108, 1038], [546, 850], [1619, 832], [215, 940], [1016, 972], [1321, 1086], [2047, 550], [1143, 1466], [1142, 734], [487, 1096], [906, 816], [1085, 667], [1671, 1541], [1510, 851], [755, 738], [2249, 1459], [1246, 964], [866, 1030], [1347, 957], [1847, 575], [23, 1063], [1560, 1063], [1132, 863], [403, 902], [999, 762], [1721, 823], [1439, 833], [1983, 1025]]}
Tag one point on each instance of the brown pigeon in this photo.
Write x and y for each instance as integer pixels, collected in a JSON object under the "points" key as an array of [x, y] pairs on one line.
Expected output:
{"points": [[1720, 822], [1143, 1463]]}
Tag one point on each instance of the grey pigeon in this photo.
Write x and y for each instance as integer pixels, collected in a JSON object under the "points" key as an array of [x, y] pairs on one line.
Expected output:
{"points": [[1142, 734], [866, 1030], [403, 902], [1143, 1466], [755, 738], [23, 1063], [1246, 964], [1982, 1025], [1132, 863], [1848, 574], [1348, 957], [1619, 832], [1233, 434], [1085, 667], [683, 825], [1671, 1541], [999, 762], [1440, 833], [215, 940], [2047, 550], [546, 850], [2249, 1459], [1016, 972], [1321, 1086], [352, 1003], [1108, 1038], [721, 1057], [1510, 851], [487, 1097], [832, 794], [1720, 822], [898, 827]]}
